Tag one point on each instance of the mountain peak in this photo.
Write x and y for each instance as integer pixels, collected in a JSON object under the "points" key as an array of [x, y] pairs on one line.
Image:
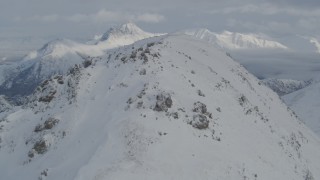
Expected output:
{"points": [[56, 47], [122, 35], [124, 29], [130, 27]]}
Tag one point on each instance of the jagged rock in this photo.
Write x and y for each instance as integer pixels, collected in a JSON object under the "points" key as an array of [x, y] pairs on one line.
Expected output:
{"points": [[164, 102], [242, 100], [48, 124], [175, 115], [200, 107], [200, 121], [40, 147], [59, 79], [87, 63], [150, 44], [48, 98], [133, 55]]}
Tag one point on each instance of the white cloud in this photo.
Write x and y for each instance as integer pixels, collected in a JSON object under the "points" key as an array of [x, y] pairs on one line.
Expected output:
{"points": [[150, 18], [105, 16], [102, 16], [268, 9]]}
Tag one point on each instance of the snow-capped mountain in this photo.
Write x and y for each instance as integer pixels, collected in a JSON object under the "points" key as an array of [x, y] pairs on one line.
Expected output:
{"points": [[61, 47], [58, 56], [285, 86], [170, 107], [55, 57], [306, 103], [122, 35], [233, 40]]}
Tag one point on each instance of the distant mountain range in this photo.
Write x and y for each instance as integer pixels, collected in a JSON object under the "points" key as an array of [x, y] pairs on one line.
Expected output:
{"points": [[233, 40]]}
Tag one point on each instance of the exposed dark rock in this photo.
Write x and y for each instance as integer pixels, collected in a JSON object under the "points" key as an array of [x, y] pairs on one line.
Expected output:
{"points": [[40, 147], [150, 44], [133, 55], [200, 121], [200, 93], [175, 115], [242, 100], [143, 72], [199, 107], [87, 63], [48, 124], [147, 51], [164, 102], [48, 98], [139, 104], [59, 79]]}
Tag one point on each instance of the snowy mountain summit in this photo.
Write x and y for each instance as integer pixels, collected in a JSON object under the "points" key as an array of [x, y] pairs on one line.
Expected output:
{"points": [[233, 40], [168, 107], [123, 35]]}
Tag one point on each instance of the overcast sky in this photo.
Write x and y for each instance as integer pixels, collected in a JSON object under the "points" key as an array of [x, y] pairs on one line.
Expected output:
{"points": [[84, 18]]}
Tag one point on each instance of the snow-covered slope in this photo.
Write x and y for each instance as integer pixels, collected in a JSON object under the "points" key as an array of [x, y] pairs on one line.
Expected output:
{"points": [[306, 104], [285, 86], [233, 40], [164, 108]]}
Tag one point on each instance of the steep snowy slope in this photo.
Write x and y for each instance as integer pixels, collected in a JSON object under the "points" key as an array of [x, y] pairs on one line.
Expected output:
{"points": [[232, 40], [306, 104], [164, 108]]}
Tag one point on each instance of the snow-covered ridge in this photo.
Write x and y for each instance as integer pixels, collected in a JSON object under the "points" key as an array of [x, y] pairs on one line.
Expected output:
{"points": [[170, 107], [233, 40], [285, 86], [305, 103]]}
